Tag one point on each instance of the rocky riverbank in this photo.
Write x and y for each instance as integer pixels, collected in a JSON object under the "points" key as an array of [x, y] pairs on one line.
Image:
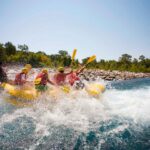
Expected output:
{"points": [[111, 75], [89, 75]]}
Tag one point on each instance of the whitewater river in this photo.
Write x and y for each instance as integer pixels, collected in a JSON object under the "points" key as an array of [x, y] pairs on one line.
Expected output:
{"points": [[119, 119]]}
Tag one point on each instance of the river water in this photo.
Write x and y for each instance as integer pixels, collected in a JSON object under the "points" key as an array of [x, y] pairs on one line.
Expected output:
{"points": [[118, 119]]}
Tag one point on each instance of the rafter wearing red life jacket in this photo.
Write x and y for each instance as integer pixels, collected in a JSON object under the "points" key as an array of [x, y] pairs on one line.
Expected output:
{"points": [[43, 77], [21, 77], [71, 78], [60, 77]]}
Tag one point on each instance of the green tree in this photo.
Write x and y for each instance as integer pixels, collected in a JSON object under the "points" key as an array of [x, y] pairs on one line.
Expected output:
{"points": [[65, 57], [23, 48], [9, 54], [10, 48], [125, 58], [63, 53], [125, 62], [142, 58], [85, 60], [2, 53], [40, 52]]}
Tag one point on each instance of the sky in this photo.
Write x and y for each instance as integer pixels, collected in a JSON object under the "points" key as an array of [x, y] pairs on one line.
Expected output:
{"points": [[106, 28]]}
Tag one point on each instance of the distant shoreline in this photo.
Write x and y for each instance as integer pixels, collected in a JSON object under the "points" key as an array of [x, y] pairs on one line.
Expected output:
{"points": [[94, 74], [112, 75]]}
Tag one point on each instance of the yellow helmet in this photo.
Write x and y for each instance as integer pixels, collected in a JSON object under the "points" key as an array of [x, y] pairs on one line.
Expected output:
{"points": [[45, 70], [61, 69], [24, 70], [28, 66]]}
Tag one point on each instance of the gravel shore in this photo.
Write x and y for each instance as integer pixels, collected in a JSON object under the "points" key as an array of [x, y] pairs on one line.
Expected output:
{"points": [[111, 75], [88, 75]]}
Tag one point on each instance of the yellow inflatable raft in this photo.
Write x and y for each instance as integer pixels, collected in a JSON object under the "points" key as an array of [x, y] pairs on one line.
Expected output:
{"points": [[28, 94], [95, 89]]}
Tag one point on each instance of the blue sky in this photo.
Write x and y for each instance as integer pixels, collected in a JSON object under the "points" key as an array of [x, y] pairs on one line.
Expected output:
{"points": [[107, 28]]}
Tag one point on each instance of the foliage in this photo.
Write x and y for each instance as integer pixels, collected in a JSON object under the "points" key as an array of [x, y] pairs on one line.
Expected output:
{"points": [[22, 55], [23, 47], [2, 53], [10, 48]]}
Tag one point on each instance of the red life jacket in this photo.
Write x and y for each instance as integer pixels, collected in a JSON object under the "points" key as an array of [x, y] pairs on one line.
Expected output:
{"points": [[60, 78], [72, 78], [20, 78], [44, 78]]}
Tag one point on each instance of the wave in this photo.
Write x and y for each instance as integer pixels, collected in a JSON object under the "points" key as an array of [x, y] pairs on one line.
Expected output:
{"points": [[116, 111]]}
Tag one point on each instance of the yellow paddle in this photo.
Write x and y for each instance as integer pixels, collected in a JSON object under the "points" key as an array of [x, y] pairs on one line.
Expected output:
{"points": [[66, 89], [92, 58], [37, 81], [74, 54]]}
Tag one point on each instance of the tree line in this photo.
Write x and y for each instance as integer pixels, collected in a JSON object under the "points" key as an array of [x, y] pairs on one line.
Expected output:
{"points": [[9, 53]]}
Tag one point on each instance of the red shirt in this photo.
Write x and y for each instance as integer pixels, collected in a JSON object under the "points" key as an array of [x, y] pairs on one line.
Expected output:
{"points": [[59, 78], [72, 78], [44, 78], [20, 78]]}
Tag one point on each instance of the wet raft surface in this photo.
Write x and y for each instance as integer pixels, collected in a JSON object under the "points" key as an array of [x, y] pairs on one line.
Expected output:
{"points": [[119, 119]]}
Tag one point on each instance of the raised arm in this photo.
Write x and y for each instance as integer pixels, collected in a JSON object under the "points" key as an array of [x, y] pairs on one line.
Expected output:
{"points": [[68, 73], [80, 70]]}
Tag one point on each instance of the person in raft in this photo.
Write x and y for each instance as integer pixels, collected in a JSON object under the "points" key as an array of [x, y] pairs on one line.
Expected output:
{"points": [[3, 75], [60, 77], [20, 78], [41, 81], [73, 78]]}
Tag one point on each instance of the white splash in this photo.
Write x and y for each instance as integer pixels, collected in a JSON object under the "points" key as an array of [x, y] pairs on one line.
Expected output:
{"points": [[82, 113]]}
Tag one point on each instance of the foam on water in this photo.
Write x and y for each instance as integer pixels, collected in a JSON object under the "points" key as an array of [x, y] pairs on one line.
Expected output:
{"points": [[78, 114], [80, 111], [133, 104]]}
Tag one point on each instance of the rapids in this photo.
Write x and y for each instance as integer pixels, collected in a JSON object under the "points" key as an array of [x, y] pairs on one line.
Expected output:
{"points": [[119, 119]]}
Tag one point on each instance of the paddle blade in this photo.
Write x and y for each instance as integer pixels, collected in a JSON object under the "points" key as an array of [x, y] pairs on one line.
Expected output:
{"points": [[37, 81], [74, 54], [66, 89], [92, 58]]}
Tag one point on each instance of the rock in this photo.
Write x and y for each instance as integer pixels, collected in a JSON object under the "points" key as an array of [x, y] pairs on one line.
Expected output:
{"points": [[112, 75], [88, 75]]}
